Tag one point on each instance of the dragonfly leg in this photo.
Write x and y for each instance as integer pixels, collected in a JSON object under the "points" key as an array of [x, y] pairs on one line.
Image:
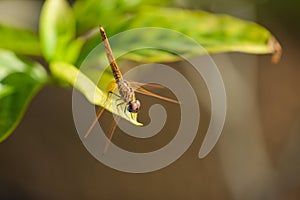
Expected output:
{"points": [[110, 93], [131, 115], [117, 95], [119, 99], [125, 108], [120, 104]]}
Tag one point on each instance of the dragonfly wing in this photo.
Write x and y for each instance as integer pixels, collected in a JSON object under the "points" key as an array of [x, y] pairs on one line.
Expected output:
{"points": [[99, 113], [142, 90], [111, 133], [137, 85]]}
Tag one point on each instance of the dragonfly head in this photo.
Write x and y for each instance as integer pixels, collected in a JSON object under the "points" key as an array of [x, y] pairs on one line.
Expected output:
{"points": [[134, 106]]}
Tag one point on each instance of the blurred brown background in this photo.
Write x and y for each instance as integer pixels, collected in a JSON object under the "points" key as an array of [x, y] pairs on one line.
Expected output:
{"points": [[255, 158]]}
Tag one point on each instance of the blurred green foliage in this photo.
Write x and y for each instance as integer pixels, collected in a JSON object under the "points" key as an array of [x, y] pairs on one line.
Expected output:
{"points": [[20, 80], [67, 34]]}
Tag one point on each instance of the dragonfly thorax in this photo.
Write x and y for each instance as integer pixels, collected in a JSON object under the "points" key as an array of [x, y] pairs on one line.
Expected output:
{"points": [[127, 94]]}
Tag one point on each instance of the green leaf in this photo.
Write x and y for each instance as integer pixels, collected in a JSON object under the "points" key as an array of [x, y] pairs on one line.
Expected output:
{"points": [[92, 13], [57, 30], [18, 40], [216, 33], [73, 50], [89, 89], [19, 82]]}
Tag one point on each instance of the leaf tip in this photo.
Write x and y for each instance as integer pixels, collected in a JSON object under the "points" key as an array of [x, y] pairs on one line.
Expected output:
{"points": [[139, 124], [276, 49]]}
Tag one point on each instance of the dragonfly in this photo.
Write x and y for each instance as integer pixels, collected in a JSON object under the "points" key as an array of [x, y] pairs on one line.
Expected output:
{"points": [[126, 91]]}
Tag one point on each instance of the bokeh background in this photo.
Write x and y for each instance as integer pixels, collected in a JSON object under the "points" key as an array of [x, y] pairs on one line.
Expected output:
{"points": [[257, 156]]}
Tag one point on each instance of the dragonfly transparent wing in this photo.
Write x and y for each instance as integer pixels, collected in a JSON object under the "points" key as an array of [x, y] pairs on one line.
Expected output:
{"points": [[99, 113], [140, 88], [111, 130], [111, 133]]}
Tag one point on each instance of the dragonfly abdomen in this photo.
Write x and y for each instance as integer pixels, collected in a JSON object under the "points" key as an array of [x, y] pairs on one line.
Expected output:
{"points": [[116, 72], [114, 67]]}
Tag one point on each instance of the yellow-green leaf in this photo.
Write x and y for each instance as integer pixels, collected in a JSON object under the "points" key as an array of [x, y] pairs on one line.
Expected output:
{"points": [[89, 89]]}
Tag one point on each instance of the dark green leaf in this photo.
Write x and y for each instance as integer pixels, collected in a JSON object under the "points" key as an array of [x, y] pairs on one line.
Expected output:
{"points": [[19, 82], [18, 40]]}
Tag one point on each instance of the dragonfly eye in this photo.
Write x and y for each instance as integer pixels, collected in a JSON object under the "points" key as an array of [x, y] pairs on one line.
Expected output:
{"points": [[134, 106]]}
